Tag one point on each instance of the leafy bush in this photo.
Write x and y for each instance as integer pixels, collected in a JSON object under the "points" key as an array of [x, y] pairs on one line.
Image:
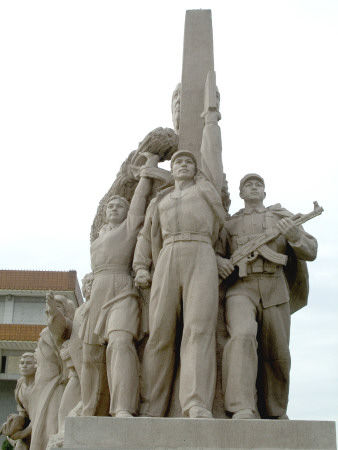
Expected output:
{"points": [[6, 445]]}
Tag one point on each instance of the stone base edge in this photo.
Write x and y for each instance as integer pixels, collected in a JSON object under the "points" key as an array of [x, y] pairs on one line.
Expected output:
{"points": [[103, 433]]}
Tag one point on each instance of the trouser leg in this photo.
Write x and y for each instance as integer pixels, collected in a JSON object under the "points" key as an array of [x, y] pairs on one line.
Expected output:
{"points": [[240, 361], [159, 356], [70, 397], [94, 392], [276, 360], [198, 346], [123, 373]]}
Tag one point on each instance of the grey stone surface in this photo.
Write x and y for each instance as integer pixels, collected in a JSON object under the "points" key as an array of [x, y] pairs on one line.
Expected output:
{"points": [[198, 60], [153, 433]]}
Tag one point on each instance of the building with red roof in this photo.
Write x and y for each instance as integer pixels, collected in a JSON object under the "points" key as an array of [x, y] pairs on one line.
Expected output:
{"points": [[22, 317]]}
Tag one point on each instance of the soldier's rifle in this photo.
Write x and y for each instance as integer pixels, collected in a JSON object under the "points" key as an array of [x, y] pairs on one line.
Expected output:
{"points": [[258, 246]]}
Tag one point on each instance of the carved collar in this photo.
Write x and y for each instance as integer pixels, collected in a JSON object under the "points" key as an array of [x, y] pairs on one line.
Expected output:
{"points": [[258, 210]]}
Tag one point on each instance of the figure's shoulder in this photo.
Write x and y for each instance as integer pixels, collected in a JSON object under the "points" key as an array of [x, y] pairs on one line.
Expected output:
{"points": [[162, 192], [203, 182], [153, 204], [231, 224], [151, 208], [103, 229], [19, 384], [237, 214], [279, 210], [235, 218], [275, 209], [159, 196]]}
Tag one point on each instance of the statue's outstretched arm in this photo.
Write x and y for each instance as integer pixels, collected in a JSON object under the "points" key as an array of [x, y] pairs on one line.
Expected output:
{"points": [[211, 147], [57, 322], [143, 250], [142, 191]]}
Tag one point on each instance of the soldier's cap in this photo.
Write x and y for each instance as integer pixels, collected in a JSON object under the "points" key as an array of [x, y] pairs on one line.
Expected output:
{"points": [[250, 176], [183, 153]]}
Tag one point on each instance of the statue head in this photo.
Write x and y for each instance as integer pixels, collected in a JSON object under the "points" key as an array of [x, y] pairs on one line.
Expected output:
{"points": [[183, 165], [65, 305], [176, 107], [117, 209], [87, 282], [27, 364], [252, 187]]}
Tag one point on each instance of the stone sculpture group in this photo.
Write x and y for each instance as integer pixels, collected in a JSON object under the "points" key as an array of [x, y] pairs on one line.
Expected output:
{"points": [[178, 245], [163, 252]]}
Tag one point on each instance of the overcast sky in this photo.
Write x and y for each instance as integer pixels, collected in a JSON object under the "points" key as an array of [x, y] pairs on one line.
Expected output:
{"points": [[81, 84]]}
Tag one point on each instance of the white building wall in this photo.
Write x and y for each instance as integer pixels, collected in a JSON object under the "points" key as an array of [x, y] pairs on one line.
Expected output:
{"points": [[30, 310]]}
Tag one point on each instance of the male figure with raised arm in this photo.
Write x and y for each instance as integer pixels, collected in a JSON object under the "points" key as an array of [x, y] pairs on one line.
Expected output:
{"points": [[181, 227], [257, 309]]}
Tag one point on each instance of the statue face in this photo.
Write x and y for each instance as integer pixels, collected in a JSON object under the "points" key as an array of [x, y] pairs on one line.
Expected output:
{"points": [[253, 189], [59, 306], [116, 211], [176, 107], [27, 366], [184, 168]]}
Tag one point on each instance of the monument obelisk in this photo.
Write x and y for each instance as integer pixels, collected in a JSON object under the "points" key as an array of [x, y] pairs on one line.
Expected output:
{"points": [[198, 60]]}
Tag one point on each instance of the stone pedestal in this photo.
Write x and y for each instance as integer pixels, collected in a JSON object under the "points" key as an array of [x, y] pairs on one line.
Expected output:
{"points": [[102, 433]]}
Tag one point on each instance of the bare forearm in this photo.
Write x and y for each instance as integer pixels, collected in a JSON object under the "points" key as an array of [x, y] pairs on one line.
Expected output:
{"points": [[143, 253], [139, 200], [26, 431], [22, 433]]}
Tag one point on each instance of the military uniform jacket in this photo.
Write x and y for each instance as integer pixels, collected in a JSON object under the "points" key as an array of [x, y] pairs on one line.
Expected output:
{"points": [[150, 238], [276, 285]]}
